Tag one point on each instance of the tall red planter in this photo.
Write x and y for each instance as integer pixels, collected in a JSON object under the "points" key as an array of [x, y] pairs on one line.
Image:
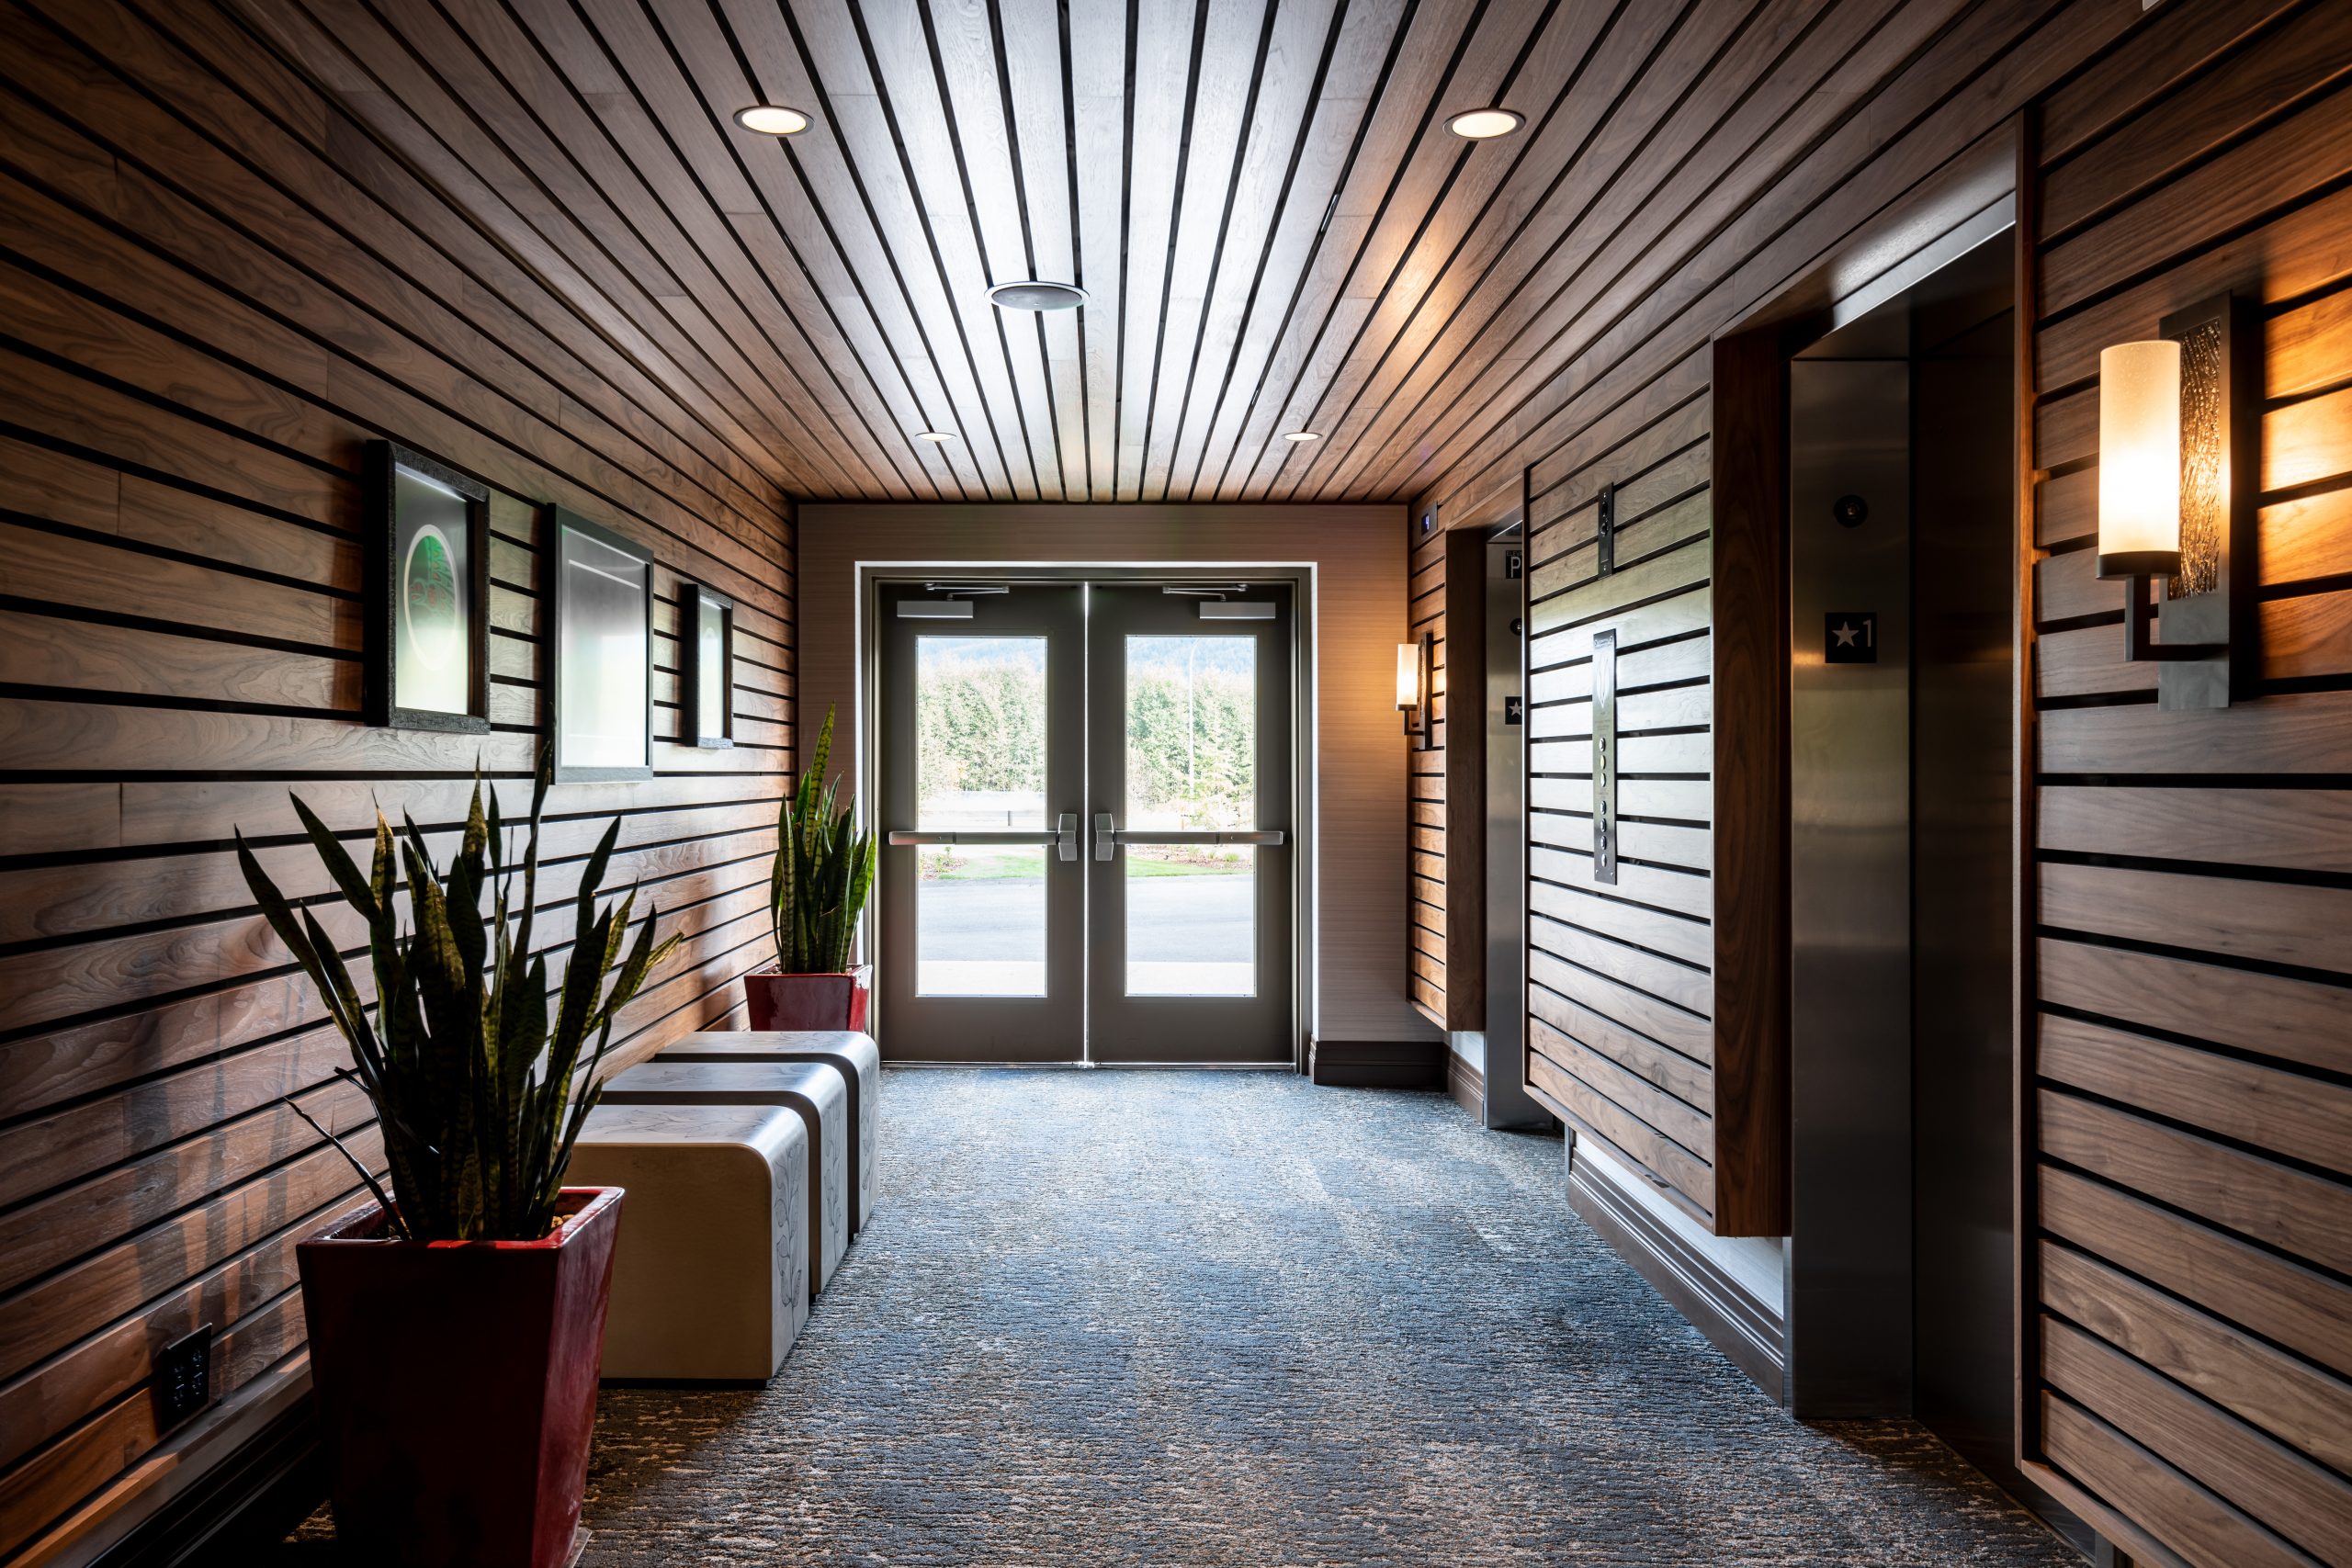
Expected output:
{"points": [[456, 1384], [835, 1002]]}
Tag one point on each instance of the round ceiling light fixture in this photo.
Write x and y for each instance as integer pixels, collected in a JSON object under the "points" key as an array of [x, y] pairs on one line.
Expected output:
{"points": [[934, 437], [1482, 125], [1302, 435], [1035, 294], [772, 119]]}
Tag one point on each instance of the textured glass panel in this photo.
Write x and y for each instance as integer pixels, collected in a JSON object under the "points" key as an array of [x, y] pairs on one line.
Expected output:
{"points": [[432, 619], [981, 732], [1191, 921], [605, 594], [1191, 732], [981, 920], [711, 667]]}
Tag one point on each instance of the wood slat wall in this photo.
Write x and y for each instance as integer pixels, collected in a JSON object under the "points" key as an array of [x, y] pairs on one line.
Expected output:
{"points": [[2187, 1168], [214, 287], [1427, 915]]}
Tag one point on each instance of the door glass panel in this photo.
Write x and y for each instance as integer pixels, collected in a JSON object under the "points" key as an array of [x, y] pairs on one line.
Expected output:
{"points": [[1192, 745], [980, 763], [1191, 732], [1191, 921]]}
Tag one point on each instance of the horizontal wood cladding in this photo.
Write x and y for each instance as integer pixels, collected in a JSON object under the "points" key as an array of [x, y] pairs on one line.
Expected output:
{"points": [[2188, 1127], [214, 288], [1446, 845]]}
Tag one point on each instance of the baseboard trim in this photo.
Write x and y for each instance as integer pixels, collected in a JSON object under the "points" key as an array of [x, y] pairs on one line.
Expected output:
{"points": [[1377, 1063], [1466, 1085], [1717, 1305], [251, 1497]]}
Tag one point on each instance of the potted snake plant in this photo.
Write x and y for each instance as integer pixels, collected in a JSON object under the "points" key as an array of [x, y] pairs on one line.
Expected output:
{"points": [[816, 889], [457, 1323]]}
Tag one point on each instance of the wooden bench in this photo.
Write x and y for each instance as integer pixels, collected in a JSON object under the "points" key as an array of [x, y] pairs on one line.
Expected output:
{"points": [[856, 1055], [710, 1271], [817, 1090]]}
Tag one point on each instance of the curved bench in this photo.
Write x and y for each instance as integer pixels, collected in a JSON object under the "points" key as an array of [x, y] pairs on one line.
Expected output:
{"points": [[817, 1090], [710, 1271], [856, 1055]]}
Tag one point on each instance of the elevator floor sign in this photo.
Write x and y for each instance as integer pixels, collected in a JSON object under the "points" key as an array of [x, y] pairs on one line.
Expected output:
{"points": [[1850, 636]]}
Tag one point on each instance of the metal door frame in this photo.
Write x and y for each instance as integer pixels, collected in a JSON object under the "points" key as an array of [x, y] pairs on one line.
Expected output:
{"points": [[1305, 875]]}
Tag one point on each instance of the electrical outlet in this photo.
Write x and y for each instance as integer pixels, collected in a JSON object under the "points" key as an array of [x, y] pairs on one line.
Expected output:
{"points": [[184, 1378]]}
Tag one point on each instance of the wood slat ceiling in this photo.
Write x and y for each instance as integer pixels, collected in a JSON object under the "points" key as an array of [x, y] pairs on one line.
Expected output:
{"points": [[1275, 227]]}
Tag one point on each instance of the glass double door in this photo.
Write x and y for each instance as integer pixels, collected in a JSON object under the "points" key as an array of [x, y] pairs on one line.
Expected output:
{"points": [[1087, 789]]}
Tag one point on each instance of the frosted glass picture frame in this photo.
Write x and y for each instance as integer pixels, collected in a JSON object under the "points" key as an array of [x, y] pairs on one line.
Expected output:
{"points": [[426, 585], [599, 592], [705, 667]]}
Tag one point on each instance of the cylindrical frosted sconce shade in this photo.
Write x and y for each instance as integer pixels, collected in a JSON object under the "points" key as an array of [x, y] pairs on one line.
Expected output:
{"points": [[2138, 460], [1408, 675]]}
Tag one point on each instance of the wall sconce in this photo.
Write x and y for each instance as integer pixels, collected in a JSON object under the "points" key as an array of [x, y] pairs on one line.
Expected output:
{"points": [[1416, 676], [2179, 458]]}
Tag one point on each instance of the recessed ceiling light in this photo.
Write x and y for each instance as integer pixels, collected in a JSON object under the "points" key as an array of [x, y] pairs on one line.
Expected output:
{"points": [[1302, 435], [1034, 294], [1479, 125], [934, 437], [772, 119]]}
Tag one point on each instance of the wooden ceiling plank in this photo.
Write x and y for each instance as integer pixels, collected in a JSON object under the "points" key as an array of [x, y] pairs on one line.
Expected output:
{"points": [[1748, 244], [870, 121], [767, 205], [1500, 194], [1421, 76], [1036, 77], [461, 211], [679, 152], [1449, 181], [1098, 76], [982, 162], [244, 188], [1756, 109], [812, 185], [1236, 52], [566, 168], [1664, 77], [1244, 318], [451, 319], [1160, 66]]}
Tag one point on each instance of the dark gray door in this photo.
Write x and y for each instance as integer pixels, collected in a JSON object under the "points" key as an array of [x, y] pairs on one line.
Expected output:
{"points": [[1087, 791], [983, 785], [1190, 786]]}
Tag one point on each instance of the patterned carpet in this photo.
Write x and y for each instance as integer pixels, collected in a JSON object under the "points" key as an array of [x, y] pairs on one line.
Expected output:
{"points": [[1161, 1318]]}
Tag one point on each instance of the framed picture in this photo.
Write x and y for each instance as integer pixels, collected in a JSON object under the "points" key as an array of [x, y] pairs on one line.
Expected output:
{"points": [[599, 603], [427, 593], [705, 667]]}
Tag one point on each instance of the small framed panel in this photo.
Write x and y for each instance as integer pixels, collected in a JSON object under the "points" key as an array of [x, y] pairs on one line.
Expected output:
{"points": [[705, 667], [427, 594], [599, 589]]}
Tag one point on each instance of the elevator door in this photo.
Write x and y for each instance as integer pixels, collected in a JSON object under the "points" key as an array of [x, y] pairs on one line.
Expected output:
{"points": [[1088, 792]]}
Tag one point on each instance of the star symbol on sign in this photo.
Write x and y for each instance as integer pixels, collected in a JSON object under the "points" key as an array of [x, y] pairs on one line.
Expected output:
{"points": [[1846, 635]]}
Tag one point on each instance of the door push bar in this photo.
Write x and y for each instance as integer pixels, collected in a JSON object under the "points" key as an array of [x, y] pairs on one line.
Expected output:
{"points": [[1063, 837], [1107, 838]]}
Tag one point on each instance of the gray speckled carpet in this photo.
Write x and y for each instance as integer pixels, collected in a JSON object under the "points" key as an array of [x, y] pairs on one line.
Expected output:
{"points": [[1161, 1318]]}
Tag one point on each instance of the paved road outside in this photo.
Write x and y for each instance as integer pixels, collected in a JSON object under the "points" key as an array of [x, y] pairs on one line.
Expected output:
{"points": [[1193, 936]]}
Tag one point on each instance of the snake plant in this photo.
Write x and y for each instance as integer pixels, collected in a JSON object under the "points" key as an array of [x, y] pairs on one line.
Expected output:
{"points": [[471, 1076], [824, 869]]}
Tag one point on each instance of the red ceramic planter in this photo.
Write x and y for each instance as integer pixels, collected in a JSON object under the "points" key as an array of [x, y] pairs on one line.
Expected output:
{"points": [[809, 1001], [456, 1384]]}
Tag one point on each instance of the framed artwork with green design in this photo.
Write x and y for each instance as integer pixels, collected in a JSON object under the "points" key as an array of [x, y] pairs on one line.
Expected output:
{"points": [[427, 593]]}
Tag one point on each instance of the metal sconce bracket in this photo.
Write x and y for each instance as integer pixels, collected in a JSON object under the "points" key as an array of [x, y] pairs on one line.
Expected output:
{"points": [[1418, 723], [2207, 657]]}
